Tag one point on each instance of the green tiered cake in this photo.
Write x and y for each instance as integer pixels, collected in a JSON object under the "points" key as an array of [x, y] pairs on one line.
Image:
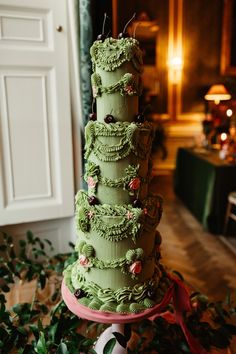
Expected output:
{"points": [[118, 266]]}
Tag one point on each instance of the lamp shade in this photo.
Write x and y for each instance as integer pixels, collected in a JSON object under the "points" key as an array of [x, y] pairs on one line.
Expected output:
{"points": [[217, 93]]}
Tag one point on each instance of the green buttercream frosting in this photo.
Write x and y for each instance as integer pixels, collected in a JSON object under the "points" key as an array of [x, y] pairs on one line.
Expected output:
{"points": [[122, 308], [136, 307], [130, 173], [125, 86], [124, 300], [130, 140], [85, 249], [111, 222], [132, 257], [116, 222], [112, 53]]}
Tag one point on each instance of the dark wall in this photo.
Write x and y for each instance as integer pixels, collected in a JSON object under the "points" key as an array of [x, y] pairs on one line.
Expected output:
{"points": [[202, 23], [99, 8], [202, 33], [159, 11]]}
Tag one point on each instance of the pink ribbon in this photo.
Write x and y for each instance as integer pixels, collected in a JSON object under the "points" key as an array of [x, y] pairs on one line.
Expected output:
{"points": [[179, 295]]}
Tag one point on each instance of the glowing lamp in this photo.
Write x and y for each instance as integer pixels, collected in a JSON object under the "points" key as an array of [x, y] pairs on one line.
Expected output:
{"points": [[175, 65], [217, 93], [223, 137], [229, 112]]}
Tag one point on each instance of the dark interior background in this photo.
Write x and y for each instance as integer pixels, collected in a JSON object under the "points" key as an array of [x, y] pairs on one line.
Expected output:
{"points": [[202, 36]]}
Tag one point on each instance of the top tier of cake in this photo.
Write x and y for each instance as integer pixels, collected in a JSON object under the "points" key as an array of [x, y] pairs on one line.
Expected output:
{"points": [[123, 58]]}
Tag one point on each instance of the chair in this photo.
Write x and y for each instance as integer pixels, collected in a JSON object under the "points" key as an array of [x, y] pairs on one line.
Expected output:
{"points": [[230, 212]]}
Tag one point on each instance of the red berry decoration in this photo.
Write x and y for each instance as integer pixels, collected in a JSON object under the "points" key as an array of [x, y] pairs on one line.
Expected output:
{"points": [[92, 116], [93, 200], [151, 294], [109, 119], [137, 203], [79, 293], [139, 118]]}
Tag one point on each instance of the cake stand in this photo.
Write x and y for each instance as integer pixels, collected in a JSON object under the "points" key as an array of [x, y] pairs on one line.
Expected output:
{"points": [[116, 320], [177, 293]]}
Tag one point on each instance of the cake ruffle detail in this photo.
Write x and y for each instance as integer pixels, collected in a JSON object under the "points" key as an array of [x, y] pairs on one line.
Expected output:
{"points": [[126, 86], [112, 53], [133, 138], [124, 300], [109, 222], [117, 222], [132, 263], [130, 182]]}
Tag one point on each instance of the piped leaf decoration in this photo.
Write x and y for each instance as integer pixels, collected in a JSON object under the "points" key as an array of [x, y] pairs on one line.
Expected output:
{"points": [[88, 250], [139, 253], [80, 246], [131, 255], [82, 219]]}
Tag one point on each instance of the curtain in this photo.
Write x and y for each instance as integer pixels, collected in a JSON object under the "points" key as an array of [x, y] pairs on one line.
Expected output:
{"points": [[85, 41], [80, 41]]}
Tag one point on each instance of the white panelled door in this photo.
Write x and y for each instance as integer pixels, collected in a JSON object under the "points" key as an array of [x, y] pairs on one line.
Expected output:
{"points": [[36, 164]]}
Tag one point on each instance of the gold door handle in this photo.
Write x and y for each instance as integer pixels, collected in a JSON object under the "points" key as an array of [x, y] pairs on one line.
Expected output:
{"points": [[59, 28]]}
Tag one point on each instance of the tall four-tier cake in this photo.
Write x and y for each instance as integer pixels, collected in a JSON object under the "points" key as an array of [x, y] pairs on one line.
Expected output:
{"points": [[118, 246]]}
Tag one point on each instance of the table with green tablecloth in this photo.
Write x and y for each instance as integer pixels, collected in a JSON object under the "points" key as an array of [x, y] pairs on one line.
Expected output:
{"points": [[203, 181]]}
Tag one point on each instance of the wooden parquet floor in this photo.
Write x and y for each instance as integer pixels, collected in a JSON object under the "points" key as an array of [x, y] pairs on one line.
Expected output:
{"points": [[203, 260]]}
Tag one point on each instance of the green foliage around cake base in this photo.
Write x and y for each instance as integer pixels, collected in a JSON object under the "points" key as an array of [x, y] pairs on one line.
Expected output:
{"points": [[45, 325]]}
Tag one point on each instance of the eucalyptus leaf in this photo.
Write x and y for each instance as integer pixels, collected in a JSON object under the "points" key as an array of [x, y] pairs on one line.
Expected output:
{"points": [[5, 288], [41, 347], [52, 331], [42, 280], [12, 253], [62, 349], [22, 243], [40, 325], [35, 330], [22, 330], [30, 237], [9, 239], [55, 296], [17, 308]]}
